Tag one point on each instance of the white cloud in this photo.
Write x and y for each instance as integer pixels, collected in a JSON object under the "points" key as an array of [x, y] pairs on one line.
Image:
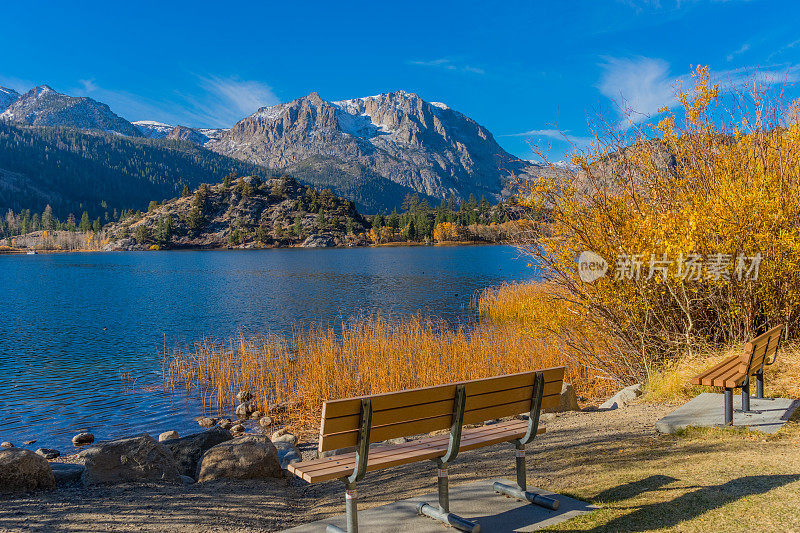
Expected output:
{"points": [[220, 102], [640, 86], [448, 64], [559, 135], [744, 48]]}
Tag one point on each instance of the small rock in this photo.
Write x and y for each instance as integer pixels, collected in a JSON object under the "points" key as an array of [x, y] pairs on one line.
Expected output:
{"points": [[207, 422], [398, 440], [287, 454], [82, 439], [265, 421], [622, 398], [244, 396], [23, 471], [546, 417], [255, 415], [167, 435], [283, 435], [67, 473], [246, 457], [48, 453], [567, 402], [134, 459], [6, 444], [237, 429], [242, 410], [29, 442], [225, 423]]}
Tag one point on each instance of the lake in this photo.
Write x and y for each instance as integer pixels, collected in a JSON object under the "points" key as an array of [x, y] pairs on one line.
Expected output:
{"points": [[82, 336]]}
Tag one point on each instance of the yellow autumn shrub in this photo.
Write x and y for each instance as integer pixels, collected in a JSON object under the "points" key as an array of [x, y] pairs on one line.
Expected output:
{"points": [[697, 217]]}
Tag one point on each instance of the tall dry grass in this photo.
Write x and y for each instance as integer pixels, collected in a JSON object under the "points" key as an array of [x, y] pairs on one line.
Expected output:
{"points": [[366, 355]]}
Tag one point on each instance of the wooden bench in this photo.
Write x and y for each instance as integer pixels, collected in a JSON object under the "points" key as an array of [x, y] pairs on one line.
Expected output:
{"points": [[358, 422], [735, 371]]}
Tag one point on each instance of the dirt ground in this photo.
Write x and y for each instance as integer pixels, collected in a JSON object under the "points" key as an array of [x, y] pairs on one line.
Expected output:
{"points": [[641, 480]]}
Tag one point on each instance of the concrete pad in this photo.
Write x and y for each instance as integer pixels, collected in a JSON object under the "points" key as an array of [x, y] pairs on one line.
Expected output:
{"points": [[707, 410], [473, 501]]}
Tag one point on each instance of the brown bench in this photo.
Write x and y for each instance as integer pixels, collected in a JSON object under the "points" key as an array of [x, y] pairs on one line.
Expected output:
{"points": [[735, 371], [358, 422]]}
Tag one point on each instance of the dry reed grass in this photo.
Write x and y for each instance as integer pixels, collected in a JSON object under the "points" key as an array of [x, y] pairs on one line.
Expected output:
{"points": [[366, 355]]}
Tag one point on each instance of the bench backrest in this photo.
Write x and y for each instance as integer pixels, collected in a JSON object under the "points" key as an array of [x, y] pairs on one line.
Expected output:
{"points": [[758, 350], [415, 411]]}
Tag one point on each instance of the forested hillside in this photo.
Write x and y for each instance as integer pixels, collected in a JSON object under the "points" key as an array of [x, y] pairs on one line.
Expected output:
{"points": [[75, 171]]}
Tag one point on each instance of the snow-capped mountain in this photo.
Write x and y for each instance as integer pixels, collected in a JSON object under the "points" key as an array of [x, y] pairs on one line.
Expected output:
{"points": [[422, 146], [158, 130], [7, 96], [42, 106]]}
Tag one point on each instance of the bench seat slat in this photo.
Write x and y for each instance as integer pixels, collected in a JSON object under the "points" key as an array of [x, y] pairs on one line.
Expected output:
{"points": [[381, 457], [706, 377], [434, 409], [425, 425], [424, 395]]}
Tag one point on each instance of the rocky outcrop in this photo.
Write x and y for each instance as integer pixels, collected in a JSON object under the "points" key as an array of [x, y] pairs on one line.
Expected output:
{"points": [[245, 213], [188, 450], [245, 457], [622, 398], [139, 458], [24, 471]]}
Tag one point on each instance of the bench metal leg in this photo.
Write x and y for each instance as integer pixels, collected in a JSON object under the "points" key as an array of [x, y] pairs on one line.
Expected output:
{"points": [[746, 397], [760, 385], [521, 492], [351, 510], [442, 513], [728, 407]]}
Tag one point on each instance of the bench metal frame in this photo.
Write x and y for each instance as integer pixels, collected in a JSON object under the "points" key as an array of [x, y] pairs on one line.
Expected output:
{"points": [[728, 392], [442, 512]]}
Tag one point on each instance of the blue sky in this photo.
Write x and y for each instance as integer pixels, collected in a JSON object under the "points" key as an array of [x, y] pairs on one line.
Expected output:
{"points": [[528, 71]]}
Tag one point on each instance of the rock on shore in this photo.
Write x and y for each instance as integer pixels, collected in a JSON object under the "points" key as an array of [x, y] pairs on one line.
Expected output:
{"points": [[24, 471], [188, 450], [139, 458], [246, 457]]}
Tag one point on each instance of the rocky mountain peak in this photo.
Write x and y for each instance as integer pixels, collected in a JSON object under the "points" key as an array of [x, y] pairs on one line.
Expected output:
{"points": [[44, 106]]}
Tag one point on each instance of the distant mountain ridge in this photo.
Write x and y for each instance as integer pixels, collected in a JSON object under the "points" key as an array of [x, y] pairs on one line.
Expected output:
{"points": [[42, 106], [374, 150]]}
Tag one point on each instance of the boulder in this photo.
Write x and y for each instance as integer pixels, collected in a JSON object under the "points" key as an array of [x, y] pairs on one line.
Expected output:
{"points": [[188, 450], [29, 442], [567, 402], [265, 422], [622, 398], [255, 415], [82, 439], [48, 453], [244, 396], [287, 454], [66, 473], [238, 429], [24, 471], [225, 423], [6, 444], [168, 435], [246, 457], [139, 458]]}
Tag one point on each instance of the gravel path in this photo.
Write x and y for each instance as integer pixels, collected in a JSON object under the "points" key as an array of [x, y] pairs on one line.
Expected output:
{"points": [[572, 439]]}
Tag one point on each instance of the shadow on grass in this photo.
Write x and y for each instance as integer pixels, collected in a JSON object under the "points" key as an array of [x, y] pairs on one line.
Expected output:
{"points": [[687, 506]]}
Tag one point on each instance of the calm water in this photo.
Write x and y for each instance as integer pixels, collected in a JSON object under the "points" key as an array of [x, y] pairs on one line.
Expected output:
{"points": [[82, 335]]}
